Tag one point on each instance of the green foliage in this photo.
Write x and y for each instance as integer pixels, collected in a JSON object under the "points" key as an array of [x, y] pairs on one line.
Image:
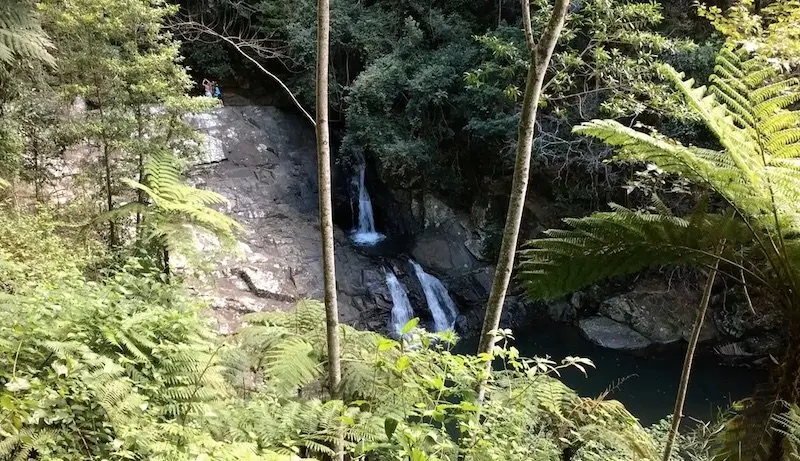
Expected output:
{"points": [[607, 61], [114, 369], [209, 59], [770, 31], [622, 242], [405, 395], [117, 57], [21, 35], [406, 103], [789, 425], [173, 209], [749, 109], [754, 173], [123, 367]]}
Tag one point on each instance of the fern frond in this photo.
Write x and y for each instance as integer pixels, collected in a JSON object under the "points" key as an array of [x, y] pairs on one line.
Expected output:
{"points": [[292, 365], [618, 243], [21, 35], [788, 424], [175, 207]]}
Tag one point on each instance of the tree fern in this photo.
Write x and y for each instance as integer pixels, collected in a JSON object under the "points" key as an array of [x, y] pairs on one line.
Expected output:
{"points": [[757, 172], [174, 208], [748, 106], [21, 35], [177, 205], [624, 242]]}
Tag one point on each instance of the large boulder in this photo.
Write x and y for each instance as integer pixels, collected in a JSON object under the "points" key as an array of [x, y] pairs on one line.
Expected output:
{"points": [[443, 251], [752, 326], [738, 316], [658, 312], [611, 334]]}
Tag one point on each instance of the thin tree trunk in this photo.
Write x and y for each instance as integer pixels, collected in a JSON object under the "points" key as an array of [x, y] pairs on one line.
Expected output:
{"points": [[139, 193], [677, 413], [500, 12], [112, 226], [326, 208], [540, 57], [36, 173], [165, 262]]}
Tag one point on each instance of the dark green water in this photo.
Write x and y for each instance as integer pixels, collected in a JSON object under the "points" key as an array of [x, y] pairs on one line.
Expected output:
{"points": [[652, 377]]}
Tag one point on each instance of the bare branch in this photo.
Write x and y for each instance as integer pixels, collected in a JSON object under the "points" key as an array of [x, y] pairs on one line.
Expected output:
{"points": [[247, 45]]}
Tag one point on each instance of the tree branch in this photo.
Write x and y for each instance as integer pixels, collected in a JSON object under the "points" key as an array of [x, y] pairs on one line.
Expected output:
{"points": [[191, 30], [526, 22]]}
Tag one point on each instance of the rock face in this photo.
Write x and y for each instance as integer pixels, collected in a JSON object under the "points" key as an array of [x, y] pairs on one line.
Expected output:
{"points": [[611, 334], [264, 162], [664, 314], [451, 246], [661, 314]]}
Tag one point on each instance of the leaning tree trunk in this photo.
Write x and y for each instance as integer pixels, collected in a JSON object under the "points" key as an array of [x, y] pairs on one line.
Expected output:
{"points": [[540, 57], [325, 206], [677, 413]]}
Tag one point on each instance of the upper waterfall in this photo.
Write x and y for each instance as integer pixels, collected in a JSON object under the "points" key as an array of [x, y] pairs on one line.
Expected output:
{"points": [[365, 233]]}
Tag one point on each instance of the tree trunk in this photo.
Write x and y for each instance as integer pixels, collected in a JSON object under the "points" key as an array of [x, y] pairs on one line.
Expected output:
{"points": [[112, 226], [140, 166], [37, 175], [326, 208], [540, 57], [165, 262], [677, 413]]}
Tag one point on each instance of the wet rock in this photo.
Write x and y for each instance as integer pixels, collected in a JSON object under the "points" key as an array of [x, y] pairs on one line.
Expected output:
{"points": [[437, 213], [611, 334], [661, 314], [562, 311], [269, 179], [443, 251], [272, 284], [737, 318]]}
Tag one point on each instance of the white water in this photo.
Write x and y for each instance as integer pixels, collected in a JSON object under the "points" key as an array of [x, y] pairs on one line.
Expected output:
{"points": [[365, 233], [401, 306], [443, 308]]}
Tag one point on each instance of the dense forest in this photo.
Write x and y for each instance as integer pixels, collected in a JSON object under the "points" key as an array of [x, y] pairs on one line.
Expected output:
{"points": [[361, 229]]}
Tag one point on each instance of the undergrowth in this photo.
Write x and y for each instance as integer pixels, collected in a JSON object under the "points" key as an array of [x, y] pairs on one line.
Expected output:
{"points": [[123, 366]]}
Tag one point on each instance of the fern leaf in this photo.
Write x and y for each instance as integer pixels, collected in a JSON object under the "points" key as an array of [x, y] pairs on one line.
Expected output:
{"points": [[291, 365], [617, 243]]}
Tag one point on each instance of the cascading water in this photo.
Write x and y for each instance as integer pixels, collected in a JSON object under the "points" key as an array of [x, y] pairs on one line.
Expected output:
{"points": [[443, 308], [365, 233], [401, 306]]}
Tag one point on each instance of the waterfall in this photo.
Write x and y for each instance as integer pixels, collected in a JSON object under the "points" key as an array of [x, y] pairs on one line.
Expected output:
{"points": [[365, 233], [401, 306], [443, 308]]}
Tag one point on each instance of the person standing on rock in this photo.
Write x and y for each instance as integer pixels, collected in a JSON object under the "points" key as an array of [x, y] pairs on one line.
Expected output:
{"points": [[207, 88], [217, 92]]}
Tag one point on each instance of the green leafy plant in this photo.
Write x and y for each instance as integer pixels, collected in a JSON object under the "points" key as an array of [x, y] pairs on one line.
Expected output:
{"points": [[771, 30], [748, 109], [173, 210], [21, 35]]}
